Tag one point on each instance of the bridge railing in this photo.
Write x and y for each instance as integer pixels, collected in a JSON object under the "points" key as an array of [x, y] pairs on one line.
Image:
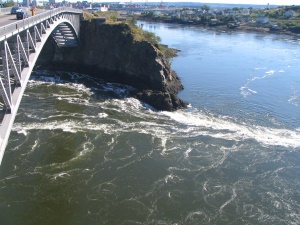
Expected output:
{"points": [[5, 10], [16, 27], [18, 55]]}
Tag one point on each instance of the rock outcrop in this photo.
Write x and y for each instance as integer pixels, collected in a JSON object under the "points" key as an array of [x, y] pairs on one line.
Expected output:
{"points": [[110, 51]]}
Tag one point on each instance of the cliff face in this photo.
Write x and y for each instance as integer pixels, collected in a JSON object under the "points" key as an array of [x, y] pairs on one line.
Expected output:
{"points": [[109, 51]]}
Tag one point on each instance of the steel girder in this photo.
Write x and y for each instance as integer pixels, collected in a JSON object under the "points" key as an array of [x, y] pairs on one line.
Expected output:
{"points": [[19, 52]]}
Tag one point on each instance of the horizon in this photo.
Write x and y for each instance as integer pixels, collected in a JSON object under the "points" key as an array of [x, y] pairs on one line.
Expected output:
{"points": [[239, 2]]}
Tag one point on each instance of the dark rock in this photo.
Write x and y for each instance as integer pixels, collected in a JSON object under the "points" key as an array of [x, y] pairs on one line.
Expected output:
{"points": [[110, 52], [164, 101]]}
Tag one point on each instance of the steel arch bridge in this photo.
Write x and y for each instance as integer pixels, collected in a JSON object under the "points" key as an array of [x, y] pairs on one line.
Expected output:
{"points": [[20, 46]]}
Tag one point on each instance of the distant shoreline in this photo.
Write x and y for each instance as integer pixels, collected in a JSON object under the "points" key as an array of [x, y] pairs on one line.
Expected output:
{"points": [[245, 28]]}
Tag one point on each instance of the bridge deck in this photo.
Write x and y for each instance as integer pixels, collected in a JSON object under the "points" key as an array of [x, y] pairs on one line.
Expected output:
{"points": [[20, 45]]}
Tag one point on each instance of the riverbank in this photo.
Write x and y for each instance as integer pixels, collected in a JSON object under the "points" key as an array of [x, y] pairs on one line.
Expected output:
{"points": [[247, 28], [242, 27]]}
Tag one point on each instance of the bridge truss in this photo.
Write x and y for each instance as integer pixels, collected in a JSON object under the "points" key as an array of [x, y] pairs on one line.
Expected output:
{"points": [[20, 46]]}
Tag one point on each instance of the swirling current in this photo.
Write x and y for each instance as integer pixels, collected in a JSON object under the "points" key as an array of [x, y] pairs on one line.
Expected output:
{"points": [[83, 152]]}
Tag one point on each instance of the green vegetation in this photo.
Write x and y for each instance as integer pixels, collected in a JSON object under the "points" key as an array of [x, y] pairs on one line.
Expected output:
{"points": [[88, 16], [110, 17], [132, 21], [279, 17], [168, 53], [205, 7], [293, 26], [151, 37], [41, 7], [284, 18], [9, 3], [137, 32]]}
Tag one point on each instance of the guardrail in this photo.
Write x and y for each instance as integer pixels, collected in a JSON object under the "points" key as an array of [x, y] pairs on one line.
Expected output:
{"points": [[18, 59], [5, 10], [13, 28]]}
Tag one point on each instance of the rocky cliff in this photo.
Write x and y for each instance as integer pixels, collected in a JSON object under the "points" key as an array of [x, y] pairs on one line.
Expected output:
{"points": [[111, 52]]}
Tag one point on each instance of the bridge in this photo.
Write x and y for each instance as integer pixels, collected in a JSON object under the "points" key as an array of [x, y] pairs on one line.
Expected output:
{"points": [[20, 45]]}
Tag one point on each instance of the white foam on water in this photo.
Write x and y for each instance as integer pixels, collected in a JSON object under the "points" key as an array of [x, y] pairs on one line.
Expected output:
{"points": [[186, 153], [60, 175], [294, 98], [87, 148], [163, 144], [33, 148], [260, 68], [120, 89], [194, 217], [252, 91], [84, 151], [69, 126], [270, 72], [233, 196], [246, 91], [48, 79], [102, 115], [222, 127], [22, 131]]}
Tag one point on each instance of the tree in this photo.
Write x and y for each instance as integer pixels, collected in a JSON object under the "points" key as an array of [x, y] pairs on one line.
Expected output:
{"points": [[10, 3], [113, 18], [151, 37], [132, 21], [205, 7], [236, 9]]}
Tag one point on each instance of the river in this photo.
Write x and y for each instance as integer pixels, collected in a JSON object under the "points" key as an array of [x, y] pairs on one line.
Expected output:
{"points": [[83, 152]]}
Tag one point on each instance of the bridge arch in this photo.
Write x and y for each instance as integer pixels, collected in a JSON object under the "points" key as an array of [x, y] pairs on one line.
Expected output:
{"points": [[20, 49]]}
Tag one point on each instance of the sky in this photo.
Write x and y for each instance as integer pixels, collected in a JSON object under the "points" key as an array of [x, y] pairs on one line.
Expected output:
{"points": [[255, 2]]}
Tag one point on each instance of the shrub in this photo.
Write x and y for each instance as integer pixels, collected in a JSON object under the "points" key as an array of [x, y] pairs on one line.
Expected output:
{"points": [[88, 16], [152, 38], [168, 53]]}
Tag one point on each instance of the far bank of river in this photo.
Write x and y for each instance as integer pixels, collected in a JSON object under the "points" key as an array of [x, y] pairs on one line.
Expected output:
{"points": [[242, 27]]}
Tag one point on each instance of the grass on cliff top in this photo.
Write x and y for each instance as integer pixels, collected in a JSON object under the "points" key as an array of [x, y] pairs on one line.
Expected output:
{"points": [[110, 17], [142, 35], [137, 32]]}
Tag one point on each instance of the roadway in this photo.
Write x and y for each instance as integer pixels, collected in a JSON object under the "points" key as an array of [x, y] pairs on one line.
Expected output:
{"points": [[7, 18]]}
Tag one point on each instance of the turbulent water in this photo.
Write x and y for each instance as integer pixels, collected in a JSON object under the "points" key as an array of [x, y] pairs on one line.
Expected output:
{"points": [[83, 152]]}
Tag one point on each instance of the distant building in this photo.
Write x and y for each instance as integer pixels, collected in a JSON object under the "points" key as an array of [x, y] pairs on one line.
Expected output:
{"points": [[290, 14], [104, 9], [245, 12], [36, 3], [158, 12], [51, 2], [263, 20], [26, 2]]}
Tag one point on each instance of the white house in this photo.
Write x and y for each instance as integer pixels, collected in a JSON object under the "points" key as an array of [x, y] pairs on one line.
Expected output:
{"points": [[233, 13], [263, 20], [157, 12], [290, 14], [104, 9], [245, 11]]}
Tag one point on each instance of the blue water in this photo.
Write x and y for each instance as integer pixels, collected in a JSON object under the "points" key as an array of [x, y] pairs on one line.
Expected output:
{"points": [[251, 72], [86, 153]]}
